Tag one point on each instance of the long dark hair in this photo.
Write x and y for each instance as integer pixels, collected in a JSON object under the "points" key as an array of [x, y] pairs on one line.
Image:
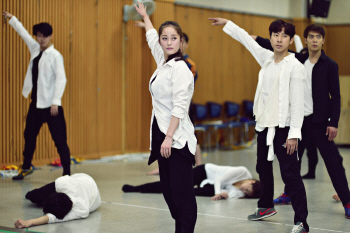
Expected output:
{"points": [[176, 26]]}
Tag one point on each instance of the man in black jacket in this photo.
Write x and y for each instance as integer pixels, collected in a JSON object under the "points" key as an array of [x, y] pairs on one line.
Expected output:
{"points": [[322, 110]]}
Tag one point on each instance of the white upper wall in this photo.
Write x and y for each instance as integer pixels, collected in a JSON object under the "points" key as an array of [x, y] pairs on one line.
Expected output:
{"points": [[338, 13]]}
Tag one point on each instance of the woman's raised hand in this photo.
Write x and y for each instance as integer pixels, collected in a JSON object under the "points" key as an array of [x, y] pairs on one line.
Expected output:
{"points": [[218, 21], [6, 14], [141, 9]]}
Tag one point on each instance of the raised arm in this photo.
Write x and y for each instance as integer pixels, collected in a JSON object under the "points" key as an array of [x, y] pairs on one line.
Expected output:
{"points": [[237, 33], [27, 38], [151, 34], [141, 9], [33, 222]]}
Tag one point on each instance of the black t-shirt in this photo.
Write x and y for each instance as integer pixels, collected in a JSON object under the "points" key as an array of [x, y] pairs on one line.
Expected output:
{"points": [[35, 74]]}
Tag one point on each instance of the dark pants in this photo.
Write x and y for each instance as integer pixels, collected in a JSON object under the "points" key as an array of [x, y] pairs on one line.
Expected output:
{"points": [[39, 196], [57, 126], [176, 180], [290, 173], [316, 133], [311, 152], [199, 175]]}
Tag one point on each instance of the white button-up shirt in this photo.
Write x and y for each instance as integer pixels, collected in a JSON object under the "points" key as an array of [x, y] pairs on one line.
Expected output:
{"points": [[51, 78], [171, 92], [83, 192], [223, 178], [291, 83]]}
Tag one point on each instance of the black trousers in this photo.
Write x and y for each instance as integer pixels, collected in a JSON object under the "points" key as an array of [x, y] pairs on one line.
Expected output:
{"points": [[316, 133], [290, 172], [39, 196], [176, 180], [199, 175], [311, 152], [57, 126]]}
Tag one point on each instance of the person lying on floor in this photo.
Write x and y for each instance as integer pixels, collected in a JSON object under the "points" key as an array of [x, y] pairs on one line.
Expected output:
{"points": [[68, 198], [218, 182]]}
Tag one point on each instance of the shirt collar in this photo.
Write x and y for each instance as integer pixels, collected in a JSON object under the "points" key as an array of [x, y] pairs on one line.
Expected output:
{"points": [[171, 62], [287, 58], [49, 49]]}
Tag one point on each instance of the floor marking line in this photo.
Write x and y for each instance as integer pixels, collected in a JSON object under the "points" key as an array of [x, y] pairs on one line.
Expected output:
{"points": [[219, 216]]}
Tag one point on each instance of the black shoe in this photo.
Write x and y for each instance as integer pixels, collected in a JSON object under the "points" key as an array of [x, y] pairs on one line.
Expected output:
{"points": [[308, 176], [262, 213], [23, 173], [129, 188]]}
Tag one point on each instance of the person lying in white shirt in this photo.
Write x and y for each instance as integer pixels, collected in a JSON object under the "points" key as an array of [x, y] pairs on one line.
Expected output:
{"points": [[68, 198], [218, 182]]}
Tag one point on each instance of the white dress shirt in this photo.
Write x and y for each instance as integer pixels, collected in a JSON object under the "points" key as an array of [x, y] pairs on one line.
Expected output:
{"points": [[223, 178], [291, 83], [51, 78], [83, 192], [171, 92], [309, 104]]}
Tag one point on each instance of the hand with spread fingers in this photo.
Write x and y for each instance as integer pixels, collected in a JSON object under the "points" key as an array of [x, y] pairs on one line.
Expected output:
{"points": [[291, 145], [218, 21], [141, 9]]}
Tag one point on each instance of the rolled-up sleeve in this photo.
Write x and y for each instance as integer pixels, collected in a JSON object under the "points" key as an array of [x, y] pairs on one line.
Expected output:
{"points": [[61, 80], [183, 86], [297, 101], [156, 49]]}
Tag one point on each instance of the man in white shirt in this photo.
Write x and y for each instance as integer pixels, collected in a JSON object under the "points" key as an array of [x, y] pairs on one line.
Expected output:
{"points": [[68, 198], [46, 79], [279, 112]]}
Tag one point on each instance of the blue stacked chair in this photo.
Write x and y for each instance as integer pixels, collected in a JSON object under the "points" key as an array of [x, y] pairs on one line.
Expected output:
{"points": [[216, 123], [248, 118], [200, 114], [232, 115]]}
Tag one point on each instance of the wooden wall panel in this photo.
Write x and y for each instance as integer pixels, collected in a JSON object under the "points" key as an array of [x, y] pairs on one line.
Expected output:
{"points": [[337, 46], [226, 70], [89, 35], [109, 97]]}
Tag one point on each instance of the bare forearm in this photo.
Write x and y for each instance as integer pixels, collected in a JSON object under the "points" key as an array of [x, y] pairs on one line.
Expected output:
{"points": [[40, 221], [148, 23], [174, 123]]}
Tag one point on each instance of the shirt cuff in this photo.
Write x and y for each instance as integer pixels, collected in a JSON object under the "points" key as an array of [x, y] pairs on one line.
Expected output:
{"points": [[51, 218], [332, 123], [229, 27], [294, 133], [56, 102], [13, 20], [151, 31], [178, 112]]}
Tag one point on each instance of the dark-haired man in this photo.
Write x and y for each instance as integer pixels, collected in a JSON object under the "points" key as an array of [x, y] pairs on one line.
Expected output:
{"points": [[279, 112], [322, 111], [46, 79]]}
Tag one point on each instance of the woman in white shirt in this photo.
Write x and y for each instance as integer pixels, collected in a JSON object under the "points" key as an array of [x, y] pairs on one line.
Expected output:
{"points": [[68, 198], [218, 182], [173, 142]]}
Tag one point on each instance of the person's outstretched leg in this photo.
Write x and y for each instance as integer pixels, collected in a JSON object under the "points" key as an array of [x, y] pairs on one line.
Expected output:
{"points": [[154, 187], [334, 163], [290, 172], [57, 127], [264, 168], [34, 121], [313, 160]]}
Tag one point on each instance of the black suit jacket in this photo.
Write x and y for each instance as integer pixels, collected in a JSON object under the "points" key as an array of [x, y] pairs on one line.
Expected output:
{"points": [[325, 86]]}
